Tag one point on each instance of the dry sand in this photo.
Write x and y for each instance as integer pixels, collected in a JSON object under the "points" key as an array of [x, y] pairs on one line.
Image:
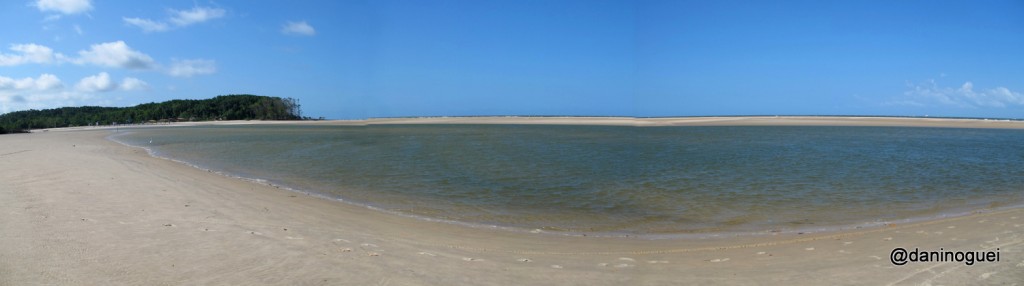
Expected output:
{"points": [[78, 209]]}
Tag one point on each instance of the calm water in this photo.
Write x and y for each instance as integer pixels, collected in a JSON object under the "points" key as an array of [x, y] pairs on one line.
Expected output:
{"points": [[635, 180]]}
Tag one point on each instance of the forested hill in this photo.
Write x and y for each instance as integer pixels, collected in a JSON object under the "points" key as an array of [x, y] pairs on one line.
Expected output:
{"points": [[224, 107]]}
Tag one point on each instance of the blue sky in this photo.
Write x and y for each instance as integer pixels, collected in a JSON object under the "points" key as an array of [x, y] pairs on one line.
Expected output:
{"points": [[358, 59]]}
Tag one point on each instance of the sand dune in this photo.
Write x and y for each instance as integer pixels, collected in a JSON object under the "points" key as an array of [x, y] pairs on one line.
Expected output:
{"points": [[79, 209]]}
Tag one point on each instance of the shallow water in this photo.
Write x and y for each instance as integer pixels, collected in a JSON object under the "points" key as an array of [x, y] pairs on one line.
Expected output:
{"points": [[623, 180]]}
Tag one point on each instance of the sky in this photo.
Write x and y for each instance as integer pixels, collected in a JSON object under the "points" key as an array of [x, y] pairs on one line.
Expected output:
{"points": [[360, 59]]}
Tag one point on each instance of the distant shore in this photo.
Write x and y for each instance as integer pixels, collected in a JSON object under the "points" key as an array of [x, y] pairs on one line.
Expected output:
{"points": [[623, 121], [713, 121], [80, 209]]}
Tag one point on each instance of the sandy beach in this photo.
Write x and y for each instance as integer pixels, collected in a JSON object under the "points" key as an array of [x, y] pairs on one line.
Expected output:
{"points": [[78, 209]]}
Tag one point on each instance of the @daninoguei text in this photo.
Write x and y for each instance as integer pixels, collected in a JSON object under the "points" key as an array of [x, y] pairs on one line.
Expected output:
{"points": [[901, 256]]}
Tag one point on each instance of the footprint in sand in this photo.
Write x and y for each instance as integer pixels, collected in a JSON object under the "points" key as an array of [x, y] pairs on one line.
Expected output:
{"points": [[426, 253], [657, 261], [623, 265], [809, 248], [887, 238], [626, 259], [346, 249], [951, 227], [372, 254], [369, 245], [556, 266], [471, 259], [717, 260], [294, 238], [761, 253], [602, 264], [255, 232], [524, 260], [341, 240], [847, 242]]}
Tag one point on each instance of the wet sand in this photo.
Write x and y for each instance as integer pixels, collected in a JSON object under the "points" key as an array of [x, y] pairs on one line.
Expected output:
{"points": [[79, 209]]}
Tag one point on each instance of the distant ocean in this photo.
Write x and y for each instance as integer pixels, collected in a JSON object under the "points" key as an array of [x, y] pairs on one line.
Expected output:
{"points": [[617, 180]]}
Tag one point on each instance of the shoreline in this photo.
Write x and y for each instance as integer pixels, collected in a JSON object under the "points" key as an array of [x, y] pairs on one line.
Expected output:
{"points": [[84, 210]]}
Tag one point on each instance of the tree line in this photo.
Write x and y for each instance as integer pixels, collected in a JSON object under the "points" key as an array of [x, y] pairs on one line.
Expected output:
{"points": [[224, 107]]}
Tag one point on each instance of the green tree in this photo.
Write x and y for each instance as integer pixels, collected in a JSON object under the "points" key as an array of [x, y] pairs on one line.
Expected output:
{"points": [[224, 107]]}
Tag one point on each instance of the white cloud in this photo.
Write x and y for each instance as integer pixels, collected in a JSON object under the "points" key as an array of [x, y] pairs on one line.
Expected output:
{"points": [[132, 84], [43, 82], [78, 29], [147, 25], [112, 54], [196, 15], [930, 93], [47, 91], [179, 18], [188, 68], [48, 82], [298, 28], [29, 53], [95, 83], [101, 82], [115, 54], [24, 92], [64, 6], [44, 99], [9, 98]]}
